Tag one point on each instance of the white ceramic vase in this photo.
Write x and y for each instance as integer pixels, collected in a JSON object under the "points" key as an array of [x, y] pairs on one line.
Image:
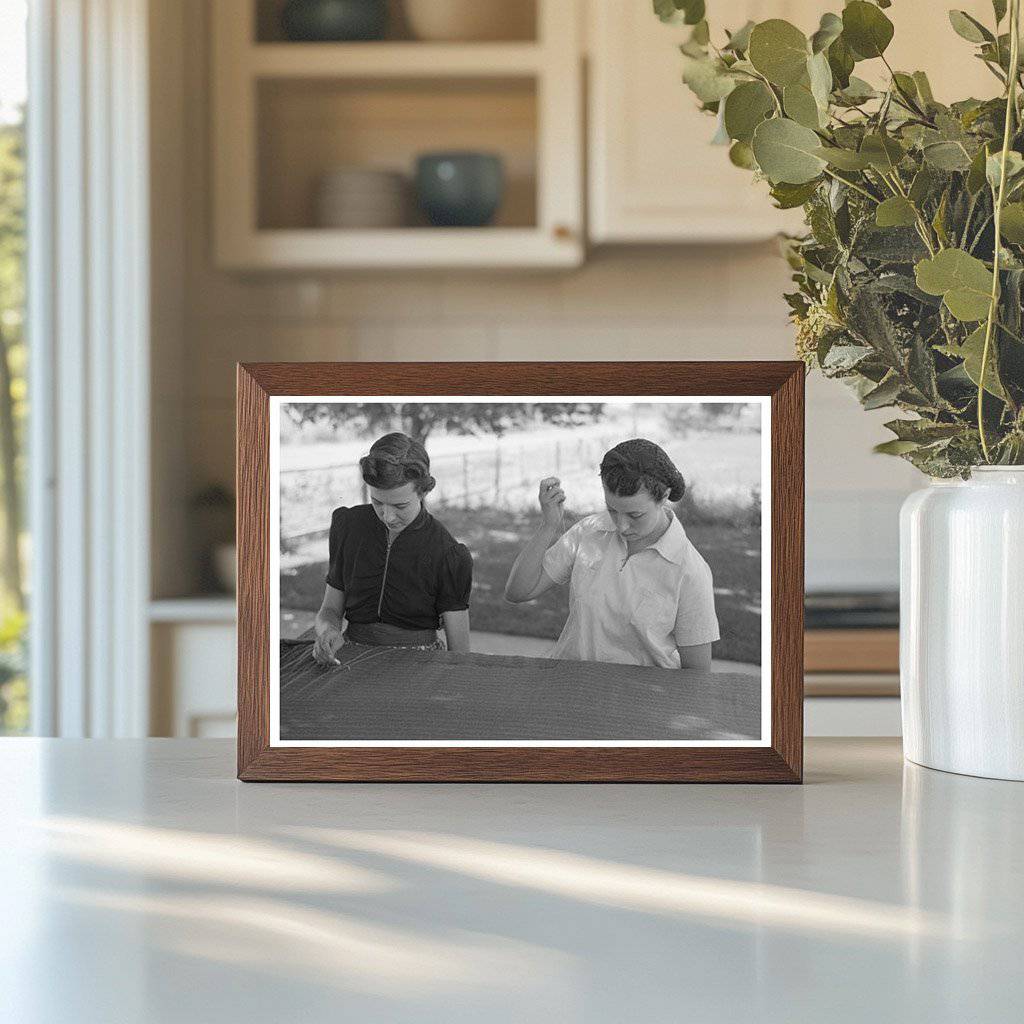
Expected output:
{"points": [[962, 624]]}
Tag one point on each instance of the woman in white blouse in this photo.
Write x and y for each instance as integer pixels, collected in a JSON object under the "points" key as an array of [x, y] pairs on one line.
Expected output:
{"points": [[639, 591]]}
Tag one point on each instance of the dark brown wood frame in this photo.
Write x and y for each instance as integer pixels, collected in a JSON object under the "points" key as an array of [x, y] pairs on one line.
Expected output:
{"points": [[782, 761]]}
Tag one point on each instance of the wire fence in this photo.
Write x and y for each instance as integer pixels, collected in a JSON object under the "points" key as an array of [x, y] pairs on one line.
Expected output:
{"points": [[722, 472], [504, 476]]}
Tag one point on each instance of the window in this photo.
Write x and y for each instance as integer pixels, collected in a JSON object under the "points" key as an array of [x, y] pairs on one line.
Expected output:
{"points": [[14, 691]]}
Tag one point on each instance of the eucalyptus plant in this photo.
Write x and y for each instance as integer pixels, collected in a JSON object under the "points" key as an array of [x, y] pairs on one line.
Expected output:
{"points": [[902, 291]]}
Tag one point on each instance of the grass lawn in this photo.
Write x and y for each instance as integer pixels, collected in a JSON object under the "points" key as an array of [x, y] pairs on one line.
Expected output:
{"points": [[732, 551]]}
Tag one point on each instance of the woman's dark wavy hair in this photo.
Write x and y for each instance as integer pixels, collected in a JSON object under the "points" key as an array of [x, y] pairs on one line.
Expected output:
{"points": [[641, 463], [396, 459]]}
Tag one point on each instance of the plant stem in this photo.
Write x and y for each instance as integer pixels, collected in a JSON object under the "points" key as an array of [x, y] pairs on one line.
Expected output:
{"points": [[1012, 334], [907, 99], [853, 185], [1011, 107], [777, 101], [980, 232]]}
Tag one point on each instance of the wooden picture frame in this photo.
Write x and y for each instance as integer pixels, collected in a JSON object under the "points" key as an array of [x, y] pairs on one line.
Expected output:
{"points": [[779, 759]]}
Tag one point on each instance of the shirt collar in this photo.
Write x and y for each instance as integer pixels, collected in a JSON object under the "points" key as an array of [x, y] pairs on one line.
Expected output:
{"points": [[418, 523], [671, 545], [421, 518]]}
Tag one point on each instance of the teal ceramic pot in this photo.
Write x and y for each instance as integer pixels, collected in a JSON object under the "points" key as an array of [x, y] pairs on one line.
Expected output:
{"points": [[460, 189], [333, 21]]}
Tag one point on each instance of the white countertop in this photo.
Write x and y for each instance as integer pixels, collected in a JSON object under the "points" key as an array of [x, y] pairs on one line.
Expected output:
{"points": [[140, 882]]}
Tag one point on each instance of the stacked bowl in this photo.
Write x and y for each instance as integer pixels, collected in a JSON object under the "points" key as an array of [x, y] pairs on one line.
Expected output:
{"points": [[362, 197]]}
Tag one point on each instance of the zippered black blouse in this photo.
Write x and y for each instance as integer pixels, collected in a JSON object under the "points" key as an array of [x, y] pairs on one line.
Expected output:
{"points": [[424, 572]]}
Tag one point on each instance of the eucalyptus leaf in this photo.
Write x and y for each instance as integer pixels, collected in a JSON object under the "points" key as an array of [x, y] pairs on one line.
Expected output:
{"points": [[841, 62], [693, 10], [906, 84], [963, 281], [868, 320], [779, 51], [924, 88], [800, 105], [922, 185], [888, 246], [947, 156], [843, 358], [666, 10], [788, 196], [739, 41], [701, 34], [845, 159], [786, 151], [882, 151], [993, 167], [857, 91], [689, 12], [896, 211], [721, 136], [923, 431], [708, 80], [939, 219], [745, 108], [1011, 225], [969, 28], [819, 75], [895, 447], [921, 370], [999, 9], [866, 29], [829, 29], [884, 394], [741, 155], [972, 351], [976, 174]]}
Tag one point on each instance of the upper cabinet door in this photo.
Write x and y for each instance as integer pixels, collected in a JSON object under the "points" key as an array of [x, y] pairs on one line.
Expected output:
{"points": [[654, 175]]}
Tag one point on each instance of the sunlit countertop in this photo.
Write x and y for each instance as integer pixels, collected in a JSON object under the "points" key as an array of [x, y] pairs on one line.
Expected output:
{"points": [[140, 882]]}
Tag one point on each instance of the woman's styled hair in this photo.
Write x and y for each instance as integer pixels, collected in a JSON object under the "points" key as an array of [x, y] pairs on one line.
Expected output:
{"points": [[396, 459], [638, 463]]}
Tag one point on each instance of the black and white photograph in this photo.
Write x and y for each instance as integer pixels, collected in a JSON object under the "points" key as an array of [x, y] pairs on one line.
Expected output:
{"points": [[469, 572]]}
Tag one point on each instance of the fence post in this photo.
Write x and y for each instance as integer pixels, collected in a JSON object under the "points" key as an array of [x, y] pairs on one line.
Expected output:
{"points": [[558, 458], [465, 480], [497, 474]]}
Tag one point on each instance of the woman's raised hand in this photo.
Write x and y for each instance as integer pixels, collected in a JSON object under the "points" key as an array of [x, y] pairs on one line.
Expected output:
{"points": [[552, 498], [327, 645]]}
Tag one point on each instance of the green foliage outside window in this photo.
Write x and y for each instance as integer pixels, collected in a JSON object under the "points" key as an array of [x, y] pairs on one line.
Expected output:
{"points": [[13, 413]]}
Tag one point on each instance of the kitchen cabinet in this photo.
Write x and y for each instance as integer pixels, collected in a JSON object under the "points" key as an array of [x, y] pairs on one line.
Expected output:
{"points": [[287, 114], [653, 175], [194, 645]]}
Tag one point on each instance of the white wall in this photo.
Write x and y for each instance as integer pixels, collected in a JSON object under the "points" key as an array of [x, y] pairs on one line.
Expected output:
{"points": [[651, 303]]}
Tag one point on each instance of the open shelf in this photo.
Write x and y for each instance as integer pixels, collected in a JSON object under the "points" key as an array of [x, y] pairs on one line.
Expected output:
{"points": [[387, 60], [286, 114], [520, 23], [309, 127]]}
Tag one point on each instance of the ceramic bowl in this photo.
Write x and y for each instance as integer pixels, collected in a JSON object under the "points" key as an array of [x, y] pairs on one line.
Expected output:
{"points": [[460, 189], [333, 21]]}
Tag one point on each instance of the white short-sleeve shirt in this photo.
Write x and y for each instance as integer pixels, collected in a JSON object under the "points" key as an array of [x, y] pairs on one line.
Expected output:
{"points": [[631, 609]]}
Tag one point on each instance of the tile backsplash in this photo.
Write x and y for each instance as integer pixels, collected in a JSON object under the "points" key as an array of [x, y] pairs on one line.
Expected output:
{"points": [[708, 303]]}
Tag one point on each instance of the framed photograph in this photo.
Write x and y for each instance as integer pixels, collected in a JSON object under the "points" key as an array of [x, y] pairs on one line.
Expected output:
{"points": [[520, 571]]}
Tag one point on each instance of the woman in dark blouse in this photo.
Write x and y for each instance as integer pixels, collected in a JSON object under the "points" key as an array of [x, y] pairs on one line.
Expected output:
{"points": [[396, 575]]}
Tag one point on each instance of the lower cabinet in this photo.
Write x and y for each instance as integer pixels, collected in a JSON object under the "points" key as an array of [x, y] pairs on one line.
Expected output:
{"points": [[193, 679]]}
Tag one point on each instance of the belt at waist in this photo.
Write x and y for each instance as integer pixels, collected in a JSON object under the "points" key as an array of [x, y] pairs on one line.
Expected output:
{"points": [[384, 634]]}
